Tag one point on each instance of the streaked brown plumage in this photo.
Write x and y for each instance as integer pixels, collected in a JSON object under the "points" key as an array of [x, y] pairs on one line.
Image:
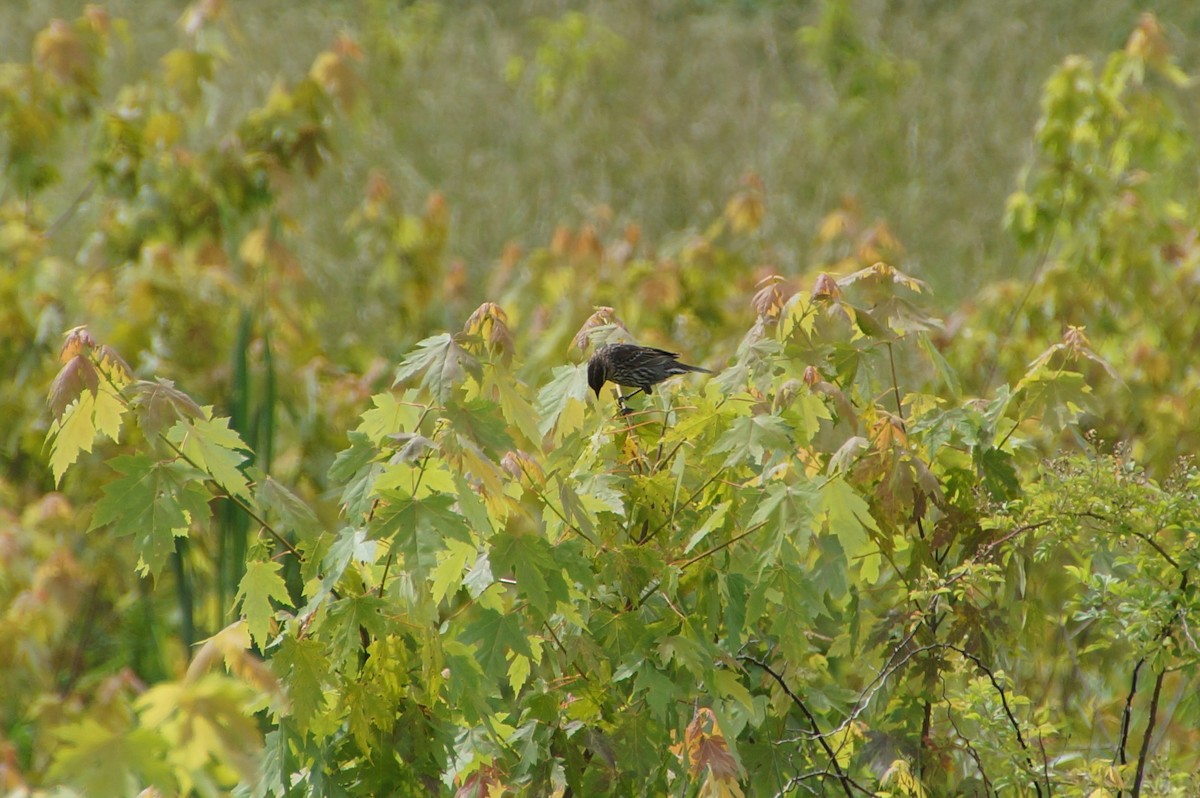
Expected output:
{"points": [[633, 366]]}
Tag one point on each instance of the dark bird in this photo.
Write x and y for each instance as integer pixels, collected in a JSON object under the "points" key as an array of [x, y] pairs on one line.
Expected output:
{"points": [[633, 366]]}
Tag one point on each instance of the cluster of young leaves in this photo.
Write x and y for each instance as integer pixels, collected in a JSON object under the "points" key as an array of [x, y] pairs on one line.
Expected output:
{"points": [[1108, 217], [797, 576]]}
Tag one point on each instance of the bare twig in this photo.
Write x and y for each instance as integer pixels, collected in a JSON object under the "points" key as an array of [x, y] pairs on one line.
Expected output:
{"points": [[1144, 754], [1127, 714], [1012, 719], [843, 778]]}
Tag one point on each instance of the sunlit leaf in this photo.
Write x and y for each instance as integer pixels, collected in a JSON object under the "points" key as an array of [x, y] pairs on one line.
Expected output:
{"points": [[261, 584], [213, 447], [102, 761], [561, 403], [92, 413]]}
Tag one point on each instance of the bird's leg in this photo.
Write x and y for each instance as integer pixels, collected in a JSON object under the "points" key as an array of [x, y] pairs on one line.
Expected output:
{"points": [[621, 402]]}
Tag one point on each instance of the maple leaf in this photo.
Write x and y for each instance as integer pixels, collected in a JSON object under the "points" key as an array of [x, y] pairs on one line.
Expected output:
{"points": [[307, 667], [93, 413], [154, 502], [102, 761], [441, 364], [495, 635], [749, 437], [215, 449], [849, 518], [531, 559], [292, 511], [562, 401], [161, 404], [260, 584], [77, 376]]}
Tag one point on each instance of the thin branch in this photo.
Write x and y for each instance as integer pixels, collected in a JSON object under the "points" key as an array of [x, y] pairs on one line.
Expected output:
{"points": [[537, 492], [1144, 754], [988, 789], [1127, 715], [676, 508], [1004, 703], [842, 777], [724, 545], [246, 508], [1152, 544], [563, 649], [63, 217]]}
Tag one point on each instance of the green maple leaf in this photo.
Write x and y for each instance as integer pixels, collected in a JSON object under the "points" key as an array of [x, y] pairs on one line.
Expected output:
{"points": [[259, 585], [997, 472], [215, 449], [749, 437], [388, 416], [478, 420], [786, 512], [154, 502], [512, 394], [495, 635], [849, 519], [1057, 398], [294, 513], [306, 667], [531, 559], [446, 577], [418, 529], [661, 691], [441, 363], [344, 624], [563, 399], [356, 469]]}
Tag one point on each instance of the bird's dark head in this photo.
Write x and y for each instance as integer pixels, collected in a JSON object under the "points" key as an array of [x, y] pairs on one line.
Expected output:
{"points": [[597, 374]]}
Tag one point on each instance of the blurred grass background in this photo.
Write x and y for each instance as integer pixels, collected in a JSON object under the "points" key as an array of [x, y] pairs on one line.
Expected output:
{"points": [[528, 115]]}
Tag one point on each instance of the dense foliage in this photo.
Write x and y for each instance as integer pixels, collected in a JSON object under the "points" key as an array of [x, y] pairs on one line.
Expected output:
{"points": [[874, 554]]}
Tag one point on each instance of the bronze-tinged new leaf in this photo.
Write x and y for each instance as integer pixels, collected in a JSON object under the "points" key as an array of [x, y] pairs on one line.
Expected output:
{"points": [[826, 287], [713, 752], [883, 274], [160, 405], [59, 50], [77, 376], [337, 77], [114, 367], [412, 446], [604, 322], [76, 341], [490, 323], [769, 300]]}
